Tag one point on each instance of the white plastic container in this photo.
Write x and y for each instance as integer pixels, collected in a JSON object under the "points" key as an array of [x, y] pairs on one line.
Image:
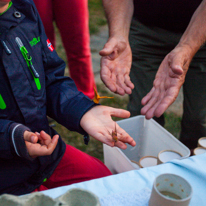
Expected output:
{"points": [[150, 137]]}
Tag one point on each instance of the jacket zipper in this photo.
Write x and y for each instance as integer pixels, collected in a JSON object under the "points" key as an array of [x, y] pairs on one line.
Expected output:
{"points": [[8, 51], [2, 103], [28, 60]]}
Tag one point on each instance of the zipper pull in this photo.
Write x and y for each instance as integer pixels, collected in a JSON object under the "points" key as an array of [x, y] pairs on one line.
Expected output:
{"points": [[27, 57], [36, 74], [19, 42], [8, 51]]}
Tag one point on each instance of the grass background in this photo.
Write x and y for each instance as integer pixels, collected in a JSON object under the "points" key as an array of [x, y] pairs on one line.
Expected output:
{"points": [[95, 148]]}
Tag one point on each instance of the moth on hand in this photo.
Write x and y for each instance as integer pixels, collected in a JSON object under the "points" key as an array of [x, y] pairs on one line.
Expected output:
{"points": [[114, 134]]}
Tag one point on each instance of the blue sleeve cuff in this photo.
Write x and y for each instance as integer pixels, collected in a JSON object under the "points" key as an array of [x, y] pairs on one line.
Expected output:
{"points": [[17, 139]]}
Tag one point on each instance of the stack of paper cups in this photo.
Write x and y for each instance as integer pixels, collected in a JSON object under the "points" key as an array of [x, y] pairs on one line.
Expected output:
{"points": [[202, 142], [167, 155], [148, 161], [201, 146], [199, 150], [135, 164]]}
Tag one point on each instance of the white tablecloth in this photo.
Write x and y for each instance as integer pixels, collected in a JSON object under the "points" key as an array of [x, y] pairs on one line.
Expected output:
{"points": [[193, 169]]}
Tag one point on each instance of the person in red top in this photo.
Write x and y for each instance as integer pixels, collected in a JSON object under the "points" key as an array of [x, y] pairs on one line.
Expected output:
{"points": [[71, 18], [158, 40]]}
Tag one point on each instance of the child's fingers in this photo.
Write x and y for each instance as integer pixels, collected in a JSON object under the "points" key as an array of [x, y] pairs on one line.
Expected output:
{"points": [[119, 113], [40, 139], [42, 150], [53, 143], [45, 138], [123, 137]]}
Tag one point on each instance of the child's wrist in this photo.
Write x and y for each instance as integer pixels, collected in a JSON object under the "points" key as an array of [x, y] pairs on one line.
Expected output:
{"points": [[18, 146]]}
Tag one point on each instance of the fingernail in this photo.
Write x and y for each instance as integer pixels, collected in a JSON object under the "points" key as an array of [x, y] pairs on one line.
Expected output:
{"points": [[37, 133], [33, 138]]}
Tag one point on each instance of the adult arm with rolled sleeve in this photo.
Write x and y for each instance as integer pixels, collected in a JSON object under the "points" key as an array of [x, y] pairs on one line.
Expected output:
{"points": [[172, 71], [116, 55]]}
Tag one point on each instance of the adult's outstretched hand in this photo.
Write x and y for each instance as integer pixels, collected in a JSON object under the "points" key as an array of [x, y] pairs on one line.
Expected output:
{"points": [[168, 81], [115, 66]]}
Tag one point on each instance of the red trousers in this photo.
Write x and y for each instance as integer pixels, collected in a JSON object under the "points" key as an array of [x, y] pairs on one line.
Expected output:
{"points": [[75, 166], [71, 17]]}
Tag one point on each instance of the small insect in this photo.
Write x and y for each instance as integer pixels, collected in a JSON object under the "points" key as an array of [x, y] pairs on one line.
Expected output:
{"points": [[97, 97], [114, 134]]}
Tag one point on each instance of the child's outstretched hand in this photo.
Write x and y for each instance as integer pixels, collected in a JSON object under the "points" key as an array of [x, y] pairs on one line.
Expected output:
{"points": [[98, 123], [40, 144]]}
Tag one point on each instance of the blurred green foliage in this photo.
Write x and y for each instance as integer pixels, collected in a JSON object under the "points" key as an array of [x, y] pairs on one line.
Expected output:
{"points": [[96, 15]]}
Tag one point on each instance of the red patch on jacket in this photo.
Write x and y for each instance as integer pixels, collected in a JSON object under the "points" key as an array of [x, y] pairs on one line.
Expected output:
{"points": [[49, 45]]}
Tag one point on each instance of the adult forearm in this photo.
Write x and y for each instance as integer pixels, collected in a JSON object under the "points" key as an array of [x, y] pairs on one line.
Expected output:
{"points": [[119, 14], [195, 35]]}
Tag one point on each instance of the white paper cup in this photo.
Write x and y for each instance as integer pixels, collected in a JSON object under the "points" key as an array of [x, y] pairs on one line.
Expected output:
{"points": [[170, 190], [148, 161], [202, 142], [167, 155], [199, 150], [135, 164]]}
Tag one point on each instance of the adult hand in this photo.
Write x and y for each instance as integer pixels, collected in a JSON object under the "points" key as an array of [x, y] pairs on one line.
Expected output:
{"points": [[40, 144], [98, 123], [115, 66], [168, 81]]}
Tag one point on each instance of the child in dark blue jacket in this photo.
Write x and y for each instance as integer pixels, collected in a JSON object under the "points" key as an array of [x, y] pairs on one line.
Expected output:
{"points": [[32, 86]]}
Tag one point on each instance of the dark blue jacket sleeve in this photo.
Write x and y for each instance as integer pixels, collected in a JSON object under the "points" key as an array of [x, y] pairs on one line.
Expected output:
{"points": [[12, 140], [5, 147]]}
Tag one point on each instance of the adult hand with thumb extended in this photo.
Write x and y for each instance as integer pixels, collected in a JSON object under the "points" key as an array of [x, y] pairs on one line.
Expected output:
{"points": [[115, 66], [40, 144], [168, 81]]}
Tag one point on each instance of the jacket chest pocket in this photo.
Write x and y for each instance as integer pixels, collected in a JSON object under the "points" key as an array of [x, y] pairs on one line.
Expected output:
{"points": [[27, 59]]}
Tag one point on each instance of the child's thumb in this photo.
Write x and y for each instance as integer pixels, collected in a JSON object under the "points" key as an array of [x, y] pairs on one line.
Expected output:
{"points": [[30, 137]]}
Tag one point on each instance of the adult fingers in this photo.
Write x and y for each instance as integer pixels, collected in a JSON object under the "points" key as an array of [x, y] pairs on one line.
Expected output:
{"points": [[168, 99], [122, 87], [106, 74], [129, 84], [148, 97], [150, 104]]}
